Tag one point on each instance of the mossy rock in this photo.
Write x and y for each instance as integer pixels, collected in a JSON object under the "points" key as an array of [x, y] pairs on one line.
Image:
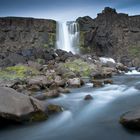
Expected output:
{"points": [[54, 109], [17, 72], [80, 66], [84, 46], [40, 61], [38, 116], [134, 50], [51, 41]]}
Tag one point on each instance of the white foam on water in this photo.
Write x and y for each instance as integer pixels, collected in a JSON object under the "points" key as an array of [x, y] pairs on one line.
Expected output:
{"points": [[106, 59], [133, 72]]}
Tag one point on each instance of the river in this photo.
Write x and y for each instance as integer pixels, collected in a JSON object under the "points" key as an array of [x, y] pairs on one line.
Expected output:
{"points": [[96, 119]]}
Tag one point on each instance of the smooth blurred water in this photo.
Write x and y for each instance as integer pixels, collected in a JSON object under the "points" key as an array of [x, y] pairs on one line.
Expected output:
{"points": [[96, 119], [68, 36]]}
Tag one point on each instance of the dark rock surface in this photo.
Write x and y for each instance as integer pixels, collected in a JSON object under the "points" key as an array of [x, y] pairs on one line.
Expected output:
{"points": [[131, 119], [112, 34], [88, 97], [18, 32], [23, 39]]}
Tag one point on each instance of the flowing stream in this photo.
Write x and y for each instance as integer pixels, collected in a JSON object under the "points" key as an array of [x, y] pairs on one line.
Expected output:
{"points": [[97, 119]]}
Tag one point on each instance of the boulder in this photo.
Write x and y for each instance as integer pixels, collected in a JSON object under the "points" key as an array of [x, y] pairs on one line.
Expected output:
{"points": [[34, 65], [40, 80], [108, 81], [18, 107], [54, 109], [102, 75], [58, 80], [69, 74], [88, 97], [98, 83], [121, 67], [63, 90], [53, 86], [34, 88], [75, 82], [52, 94], [40, 96], [131, 119]]}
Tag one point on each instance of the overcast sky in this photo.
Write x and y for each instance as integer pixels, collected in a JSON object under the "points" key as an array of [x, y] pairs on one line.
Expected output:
{"points": [[65, 9]]}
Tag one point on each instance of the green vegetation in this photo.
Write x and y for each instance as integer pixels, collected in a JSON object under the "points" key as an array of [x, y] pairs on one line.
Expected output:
{"points": [[51, 41], [38, 116], [54, 108], [83, 48], [79, 66], [17, 72], [134, 50], [82, 38], [40, 61]]}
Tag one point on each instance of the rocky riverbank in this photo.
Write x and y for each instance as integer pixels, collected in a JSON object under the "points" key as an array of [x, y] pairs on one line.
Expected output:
{"points": [[46, 74]]}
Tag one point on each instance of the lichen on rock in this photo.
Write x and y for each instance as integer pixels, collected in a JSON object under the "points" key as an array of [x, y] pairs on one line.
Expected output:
{"points": [[17, 72], [80, 66]]}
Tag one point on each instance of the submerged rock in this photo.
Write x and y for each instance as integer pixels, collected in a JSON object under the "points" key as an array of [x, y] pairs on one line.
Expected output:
{"points": [[18, 107], [131, 119], [88, 97]]}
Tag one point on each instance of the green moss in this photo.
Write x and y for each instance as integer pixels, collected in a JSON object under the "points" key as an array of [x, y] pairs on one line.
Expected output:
{"points": [[53, 26], [82, 38], [40, 61], [38, 116], [45, 46], [51, 41], [134, 50], [17, 72], [79, 66], [82, 46], [54, 109]]}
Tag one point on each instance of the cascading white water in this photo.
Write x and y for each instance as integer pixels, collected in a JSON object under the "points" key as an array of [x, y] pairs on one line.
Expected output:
{"points": [[68, 36]]}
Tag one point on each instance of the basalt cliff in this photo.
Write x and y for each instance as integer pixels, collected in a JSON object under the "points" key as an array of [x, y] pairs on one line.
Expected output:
{"points": [[18, 33], [112, 34]]}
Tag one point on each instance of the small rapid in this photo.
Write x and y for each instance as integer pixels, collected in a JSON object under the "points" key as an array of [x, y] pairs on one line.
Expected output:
{"points": [[133, 72]]}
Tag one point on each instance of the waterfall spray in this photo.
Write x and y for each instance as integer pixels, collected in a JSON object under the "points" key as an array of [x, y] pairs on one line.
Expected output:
{"points": [[68, 36]]}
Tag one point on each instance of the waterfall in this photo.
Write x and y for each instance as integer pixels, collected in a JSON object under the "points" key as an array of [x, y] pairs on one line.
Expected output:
{"points": [[68, 36]]}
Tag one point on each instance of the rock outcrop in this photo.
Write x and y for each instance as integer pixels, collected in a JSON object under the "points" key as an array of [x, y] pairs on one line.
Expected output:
{"points": [[17, 33], [18, 107], [131, 119], [112, 34]]}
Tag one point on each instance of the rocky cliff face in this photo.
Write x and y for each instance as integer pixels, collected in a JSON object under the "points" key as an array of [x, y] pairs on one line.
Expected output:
{"points": [[21, 33], [112, 34]]}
